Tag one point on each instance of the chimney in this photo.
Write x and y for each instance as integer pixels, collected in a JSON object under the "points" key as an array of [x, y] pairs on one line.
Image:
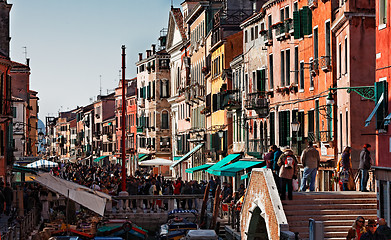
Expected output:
{"points": [[28, 62], [148, 53], [153, 49], [140, 56]]}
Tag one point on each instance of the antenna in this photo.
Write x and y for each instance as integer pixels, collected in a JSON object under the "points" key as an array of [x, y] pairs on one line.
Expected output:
{"points": [[172, 3], [100, 85], [25, 52]]}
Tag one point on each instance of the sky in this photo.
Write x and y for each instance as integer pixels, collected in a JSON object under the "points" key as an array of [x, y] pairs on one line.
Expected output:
{"points": [[74, 45]]}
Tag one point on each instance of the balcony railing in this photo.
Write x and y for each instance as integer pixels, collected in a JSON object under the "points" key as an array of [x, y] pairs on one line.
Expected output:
{"points": [[314, 66], [312, 4], [283, 29], [321, 136], [6, 109], [232, 100], [258, 102], [325, 63], [255, 146], [268, 37]]}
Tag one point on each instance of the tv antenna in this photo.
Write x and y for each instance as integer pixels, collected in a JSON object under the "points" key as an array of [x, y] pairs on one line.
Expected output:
{"points": [[100, 85]]}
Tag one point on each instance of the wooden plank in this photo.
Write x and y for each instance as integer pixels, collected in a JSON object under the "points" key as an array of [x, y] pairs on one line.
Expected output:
{"points": [[204, 205], [216, 208]]}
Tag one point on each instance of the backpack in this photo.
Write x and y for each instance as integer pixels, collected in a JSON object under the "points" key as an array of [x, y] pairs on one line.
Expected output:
{"points": [[289, 162]]}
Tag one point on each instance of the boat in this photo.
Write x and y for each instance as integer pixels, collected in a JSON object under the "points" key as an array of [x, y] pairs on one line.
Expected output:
{"points": [[178, 224], [121, 228]]}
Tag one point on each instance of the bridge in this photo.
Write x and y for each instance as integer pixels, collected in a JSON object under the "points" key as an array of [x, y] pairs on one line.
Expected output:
{"points": [[150, 211]]}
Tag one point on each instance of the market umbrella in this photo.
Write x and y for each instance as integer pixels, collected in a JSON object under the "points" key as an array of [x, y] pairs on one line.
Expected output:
{"points": [[156, 162], [42, 164]]}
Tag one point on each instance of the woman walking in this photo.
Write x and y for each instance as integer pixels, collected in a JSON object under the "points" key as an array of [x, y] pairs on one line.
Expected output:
{"points": [[345, 168]]}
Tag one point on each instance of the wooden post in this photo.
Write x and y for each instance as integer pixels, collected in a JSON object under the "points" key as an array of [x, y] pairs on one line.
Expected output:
{"points": [[204, 205], [216, 208]]}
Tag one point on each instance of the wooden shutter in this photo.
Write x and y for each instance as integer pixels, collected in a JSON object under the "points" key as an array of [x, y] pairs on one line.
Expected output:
{"points": [[272, 128], [306, 20], [297, 25], [382, 111], [214, 102], [288, 125]]}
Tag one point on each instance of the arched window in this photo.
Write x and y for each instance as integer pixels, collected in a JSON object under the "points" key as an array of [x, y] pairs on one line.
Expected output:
{"points": [[164, 90], [165, 124], [255, 130]]}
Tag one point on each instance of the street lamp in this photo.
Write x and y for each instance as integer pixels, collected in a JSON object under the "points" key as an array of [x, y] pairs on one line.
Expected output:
{"points": [[330, 99], [295, 128]]}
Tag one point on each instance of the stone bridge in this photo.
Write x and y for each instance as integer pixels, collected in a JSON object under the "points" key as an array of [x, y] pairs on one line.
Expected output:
{"points": [[150, 211]]}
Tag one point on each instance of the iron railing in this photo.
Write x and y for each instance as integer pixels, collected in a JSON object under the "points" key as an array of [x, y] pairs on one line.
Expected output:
{"points": [[232, 100], [255, 146], [268, 37], [256, 101], [325, 62]]}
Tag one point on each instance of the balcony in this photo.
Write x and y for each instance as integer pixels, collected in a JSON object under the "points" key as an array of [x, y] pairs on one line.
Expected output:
{"points": [[231, 100], [322, 136], [5, 110], [255, 148], [314, 67], [267, 37], [283, 29], [312, 4], [141, 102], [325, 63], [258, 102]]}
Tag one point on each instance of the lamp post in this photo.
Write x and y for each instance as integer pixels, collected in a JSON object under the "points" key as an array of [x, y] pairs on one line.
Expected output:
{"points": [[221, 135], [295, 128], [123, 124]]}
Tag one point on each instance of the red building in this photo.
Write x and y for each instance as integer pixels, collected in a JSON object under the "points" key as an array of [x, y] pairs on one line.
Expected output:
{"points": [[382, 86]]}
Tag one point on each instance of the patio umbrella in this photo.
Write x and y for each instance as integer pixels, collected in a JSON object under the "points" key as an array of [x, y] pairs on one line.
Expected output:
{"points": [[156, 162], [42, 164]]}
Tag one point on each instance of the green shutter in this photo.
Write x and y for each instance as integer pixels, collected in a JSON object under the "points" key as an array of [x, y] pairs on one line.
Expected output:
{"points": [[382, 111], [272, 128], [288, 124], [306, 20], [317, 119], [263, 81], [297, 25], [149, 90]]}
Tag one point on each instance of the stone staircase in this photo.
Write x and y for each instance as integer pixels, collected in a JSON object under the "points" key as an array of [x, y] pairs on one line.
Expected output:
{"points": [[337, 210]]}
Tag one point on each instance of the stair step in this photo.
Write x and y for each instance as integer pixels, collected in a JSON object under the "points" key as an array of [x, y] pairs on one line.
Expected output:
{"points": [[325, 223], [332, 195], [288, 208], [330, 212], [330, 201], [349, 218]]}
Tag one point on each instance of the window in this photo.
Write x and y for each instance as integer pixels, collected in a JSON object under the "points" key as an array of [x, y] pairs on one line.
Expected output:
{"points": [[165, 124], [245, 36], [256, 32], [327, 41], [316, 52], [284, 127], [164, 89], [382, 13], [270, 23], [339, 70], [346, 55], [288, 66], [302, 75], [347, 127], [261, 80], [282, 69], [270, 71], [14, 112], [295, 6], [254, 80], [296, 65], [272, 130], [282, 18], [252, 34], [287, 12], [311, 76]]}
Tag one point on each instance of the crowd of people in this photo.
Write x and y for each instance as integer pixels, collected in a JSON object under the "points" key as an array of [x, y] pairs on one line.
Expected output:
{"points": [[371, 231]]}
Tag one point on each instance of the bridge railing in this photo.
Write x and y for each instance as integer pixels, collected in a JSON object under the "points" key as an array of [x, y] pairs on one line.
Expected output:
{"points": [[153, 203]]}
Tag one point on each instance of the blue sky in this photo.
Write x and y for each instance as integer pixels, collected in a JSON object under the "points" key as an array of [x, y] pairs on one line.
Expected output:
{"points": [[71, 43]]}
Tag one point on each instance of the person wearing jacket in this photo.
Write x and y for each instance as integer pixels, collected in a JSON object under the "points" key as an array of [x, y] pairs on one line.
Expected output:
{"points": [[275, 168], [371, 233], [357, 229], [310, 159], [365, 165], [287, 172]]}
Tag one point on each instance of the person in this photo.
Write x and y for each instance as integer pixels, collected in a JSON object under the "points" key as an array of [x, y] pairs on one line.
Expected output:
{"points": [[310, 159], [365, 165], [383, 229], [212, 186], [269, 158], [8, 195], [288, 170], [371, 233], [177, 189], [241, 190], [357, 229], [276, 169], [227, 198], [344, 168]]}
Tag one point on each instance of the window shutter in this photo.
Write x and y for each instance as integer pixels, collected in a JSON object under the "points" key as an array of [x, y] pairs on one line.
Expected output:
{"points": [[218, 107], [281, 128], [306, 20], [288, 124], [214, 102], [153, 89], [297, 25], [149, 90], [381, 113]]}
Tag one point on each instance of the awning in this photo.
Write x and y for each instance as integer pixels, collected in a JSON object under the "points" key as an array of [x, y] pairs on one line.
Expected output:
{"points": [[93, 200], [387, 120], [17, 168], [96, 160], [42, 164], [142, 157], [198, 168], [188, 155], [368, 121], [223, 162], [156, 162], [244, 176], [231, 169]]}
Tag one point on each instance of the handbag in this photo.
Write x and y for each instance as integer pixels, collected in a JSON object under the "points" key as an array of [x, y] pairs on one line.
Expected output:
{"points": [[351, 183], [344, 176]]}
